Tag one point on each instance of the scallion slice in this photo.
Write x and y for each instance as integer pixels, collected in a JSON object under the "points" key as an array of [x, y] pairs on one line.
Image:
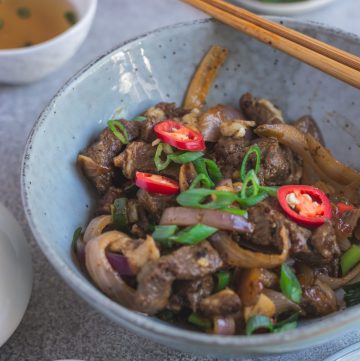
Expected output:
{"points": [[251, 201], [185, 157], [258, 322], [119, 214], [162, 234], [140, 118], [288, 324], [349, 259], [75, 237], [193, 235], [237, 211], [257, 151], [200, 321], [209, 168], [252, 178], [159, 163], [201, 178], [119, 131], [223, 280], [289, 284]]}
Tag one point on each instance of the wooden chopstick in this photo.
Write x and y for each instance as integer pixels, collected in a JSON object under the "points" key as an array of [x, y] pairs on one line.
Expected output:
{"points": [[333, 61]]}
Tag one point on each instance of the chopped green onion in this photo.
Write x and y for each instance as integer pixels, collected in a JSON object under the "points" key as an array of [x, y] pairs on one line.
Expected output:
{"points": [[253, 149], [193, 235], [71, 17], [349, 259], [251, 201], [140, 118], [223, 280], [195, 198], [209, 168], [289, 284], [119, 214], [201, 178], [162, 234], [237, 211], [24, 12], [288, 324], [160, 164], [76, 236], [199, 321], [272, 191], [1, 23], [352, 294], [252, 178], [119, 131], [258, 322], [185, 157]]}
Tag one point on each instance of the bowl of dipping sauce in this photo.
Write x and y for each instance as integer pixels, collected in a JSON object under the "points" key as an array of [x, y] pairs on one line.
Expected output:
{"points": [[37, 37]]}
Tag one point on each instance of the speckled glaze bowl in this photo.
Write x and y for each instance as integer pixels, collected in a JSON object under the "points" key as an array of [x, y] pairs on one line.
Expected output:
{"points": [[158, 67]]}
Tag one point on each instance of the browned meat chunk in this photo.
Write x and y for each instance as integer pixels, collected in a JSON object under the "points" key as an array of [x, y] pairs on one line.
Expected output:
{"points": [[138, 156], [105, 202], [211, 120], [187, 263], [190, 293], [223, 303], [101, 154], [324, 242], [154, 204], [307, 125], [260, 110], [132, 128]]}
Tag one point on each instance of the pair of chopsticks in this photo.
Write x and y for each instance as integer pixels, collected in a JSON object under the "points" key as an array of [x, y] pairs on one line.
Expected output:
{"points": [[333, 61]]}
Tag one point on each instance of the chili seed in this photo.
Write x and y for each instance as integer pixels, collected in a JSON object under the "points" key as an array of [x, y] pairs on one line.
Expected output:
{"points": [[24, 13]]}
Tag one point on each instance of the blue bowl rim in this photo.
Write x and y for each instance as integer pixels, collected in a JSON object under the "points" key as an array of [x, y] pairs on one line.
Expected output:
{"points": [[146, 325]]}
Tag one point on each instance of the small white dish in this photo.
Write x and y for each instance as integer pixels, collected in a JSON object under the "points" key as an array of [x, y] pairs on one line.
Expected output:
{"points": [[283, 9], [15, 274], [25, 65]]}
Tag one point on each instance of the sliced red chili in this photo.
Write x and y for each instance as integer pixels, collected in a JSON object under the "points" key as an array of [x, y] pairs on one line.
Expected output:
{"points": [[343, 207], [154, 183], [306, 205], [179, 136]]}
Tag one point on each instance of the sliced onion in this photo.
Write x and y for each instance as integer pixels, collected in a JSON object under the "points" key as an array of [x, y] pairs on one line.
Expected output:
{"points": [[336, 283], [96, 227], [237, 256], [90, 167], [224, 326], [182, 216], [281, 302], [119, 263]]}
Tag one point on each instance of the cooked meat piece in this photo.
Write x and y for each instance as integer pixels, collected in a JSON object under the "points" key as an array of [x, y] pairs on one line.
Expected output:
{"points": [[260, 110], [324, 242], [156, 114], [223, 303], [318, 300], [278, 164], [228, 153], [307, 125], [105, 202], [345, 223], [132, 128], [237, 129], [210, 121], [154, 203], [268, 220], [190, 293], [101, 152], [138, 156], [187, 263], [191, 119]]}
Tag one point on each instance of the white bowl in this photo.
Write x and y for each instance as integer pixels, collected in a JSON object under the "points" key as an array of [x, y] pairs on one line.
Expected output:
{"points": [[15, 274], [25, 65], [283, 9]]}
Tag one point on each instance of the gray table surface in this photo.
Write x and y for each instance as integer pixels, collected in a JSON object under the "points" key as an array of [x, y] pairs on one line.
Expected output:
{"points": [[58, 324]]}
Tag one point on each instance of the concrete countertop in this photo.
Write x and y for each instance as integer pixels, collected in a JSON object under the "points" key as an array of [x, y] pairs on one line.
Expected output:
{"points": [[58, 324]]}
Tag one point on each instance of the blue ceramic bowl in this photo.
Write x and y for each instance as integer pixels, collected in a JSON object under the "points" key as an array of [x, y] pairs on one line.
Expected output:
{"points": [[158, 67]]}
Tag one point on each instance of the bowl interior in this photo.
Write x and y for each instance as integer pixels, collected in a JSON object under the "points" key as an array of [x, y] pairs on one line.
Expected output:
{"points": [[156, 68]]}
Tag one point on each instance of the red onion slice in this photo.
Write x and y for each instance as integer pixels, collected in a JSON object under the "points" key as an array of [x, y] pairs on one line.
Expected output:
{"points": [[119, 263]]}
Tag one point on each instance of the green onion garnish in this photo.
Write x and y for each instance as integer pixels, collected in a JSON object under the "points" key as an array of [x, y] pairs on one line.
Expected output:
{"points": [[193, 235], [237, 211], [76, 236], [159, 163], [119, 214], [252, 178], [289, 284], [253, 149], [119, 131], [195, 198], [140, 118], [209, 168], [352, 294], [258, 322], [201, 178], [288, 324], [71, 17], [24, 12], [162, 234], [223, 280], [185, 157], [349, 259], [199, 321], [251, 201]]}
